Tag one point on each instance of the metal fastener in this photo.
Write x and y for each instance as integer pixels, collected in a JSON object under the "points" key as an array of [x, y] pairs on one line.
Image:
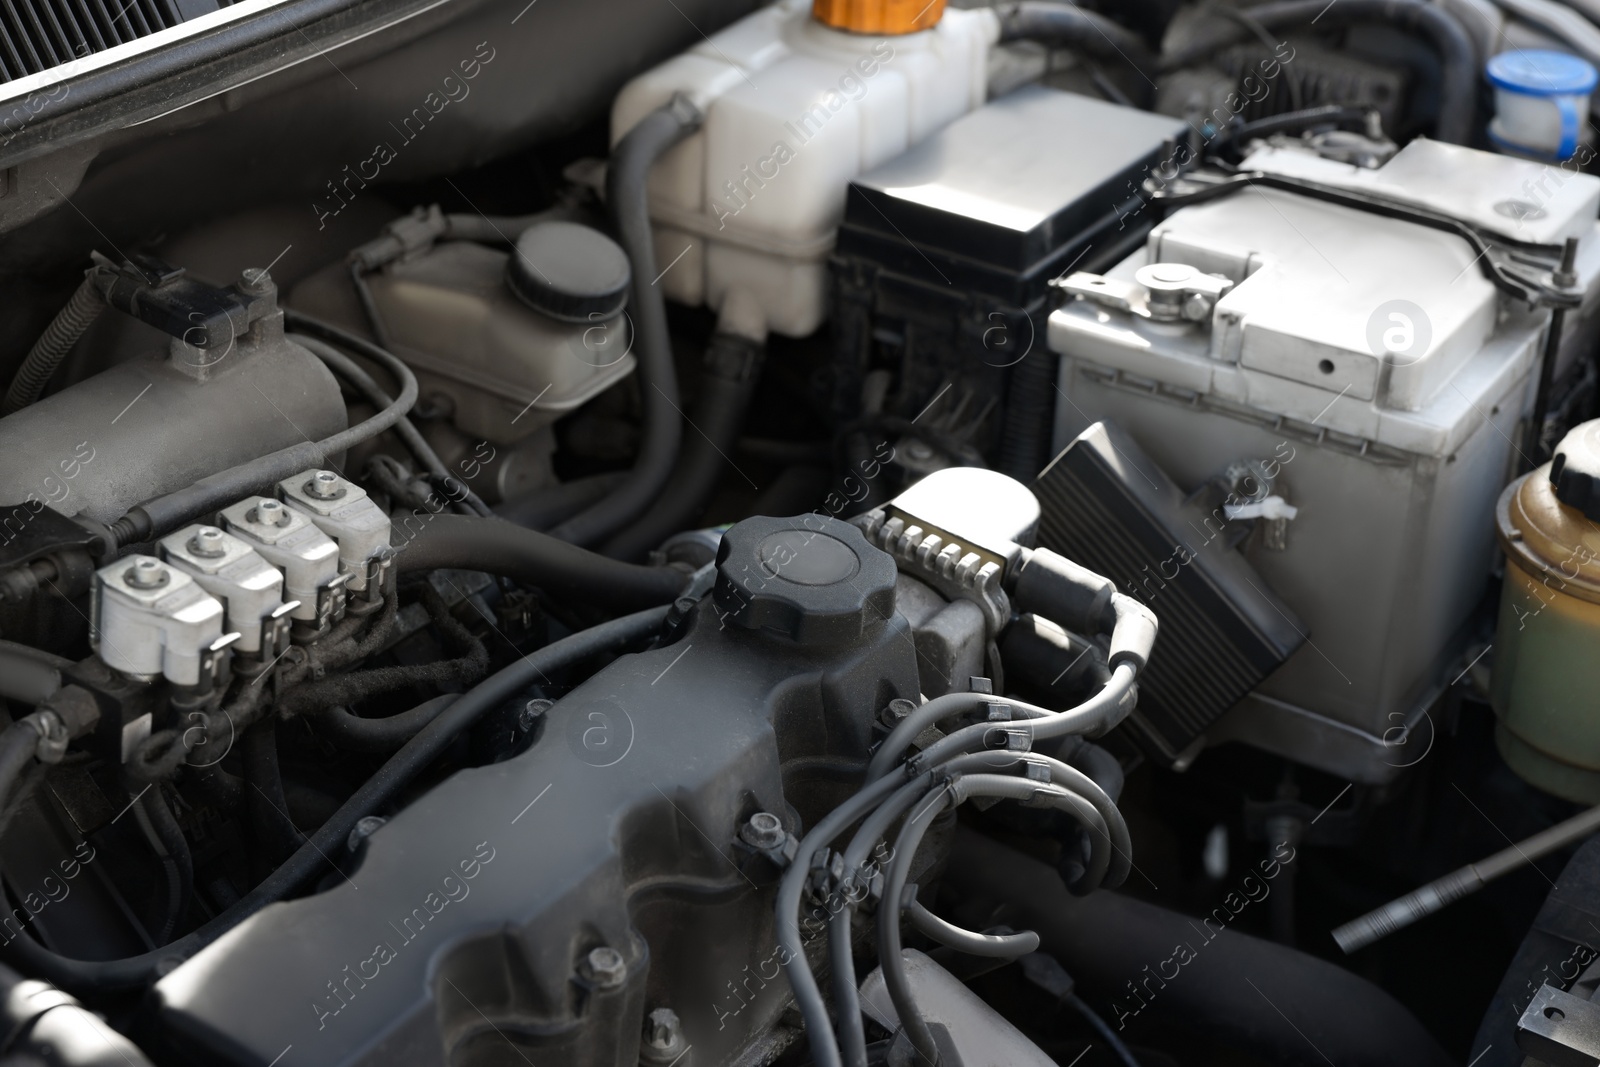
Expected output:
{"points": [[364, 828], [1566, 275], [762, 830], [208, 542], [270, 513], [325, 485], [255, 280], [604, 967], [534, 710], [663, 1038], [147, 572], [896, 711]]}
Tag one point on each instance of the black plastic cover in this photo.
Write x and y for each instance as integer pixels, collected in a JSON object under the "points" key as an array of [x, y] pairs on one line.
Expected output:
{"points": [[812, 578], [1575, 469], [570, 272], [1005, 198], [458, 939], [1222, 631]]}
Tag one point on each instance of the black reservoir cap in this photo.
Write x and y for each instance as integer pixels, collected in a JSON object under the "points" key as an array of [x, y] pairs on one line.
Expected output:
{"points": [[569, 272], [811, 578]]}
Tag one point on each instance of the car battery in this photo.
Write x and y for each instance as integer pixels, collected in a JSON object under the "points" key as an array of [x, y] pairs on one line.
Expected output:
{"points": [[1377, 383]]}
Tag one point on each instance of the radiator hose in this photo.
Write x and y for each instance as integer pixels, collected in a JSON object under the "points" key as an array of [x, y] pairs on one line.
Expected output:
{"points": [[1281, 1005], [732, 370], [628, 192], [466, 542]]}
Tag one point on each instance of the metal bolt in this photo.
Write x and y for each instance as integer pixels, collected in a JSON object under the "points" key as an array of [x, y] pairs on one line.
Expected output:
{"points": [[147, 572], [271, 513], [762, 830], [255, 280], [1196, 307], [364, 828], [896, 711], [208, 542], [604, 967], [325, 485], [531, 713], [1566, 275], [663, 1037]]}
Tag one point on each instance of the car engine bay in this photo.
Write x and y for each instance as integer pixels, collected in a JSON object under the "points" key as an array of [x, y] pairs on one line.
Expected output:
{"points": [[709, 533]]}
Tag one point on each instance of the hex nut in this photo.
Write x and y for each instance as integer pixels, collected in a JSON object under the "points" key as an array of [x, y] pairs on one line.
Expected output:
{"points": [[763, 830], [604, 968]]}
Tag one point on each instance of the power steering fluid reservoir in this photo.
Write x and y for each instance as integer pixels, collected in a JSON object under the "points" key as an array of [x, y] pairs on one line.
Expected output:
{"points": [[1546, 682], [798, 99]]}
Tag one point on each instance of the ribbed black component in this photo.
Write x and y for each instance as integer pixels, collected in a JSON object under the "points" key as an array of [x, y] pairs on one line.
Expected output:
{"points": [[1108, 507], [40, 35]]}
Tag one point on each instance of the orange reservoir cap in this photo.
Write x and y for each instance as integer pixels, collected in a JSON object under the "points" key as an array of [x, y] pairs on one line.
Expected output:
{"points": [[878, 16]]}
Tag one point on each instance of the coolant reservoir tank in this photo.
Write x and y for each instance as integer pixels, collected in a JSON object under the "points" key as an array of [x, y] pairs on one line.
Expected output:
{"points": [[1546, 683], [797, 102]]}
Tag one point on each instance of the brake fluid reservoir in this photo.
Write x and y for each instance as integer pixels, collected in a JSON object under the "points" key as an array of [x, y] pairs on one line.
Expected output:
{"points": [[1546, 681], [515, 340], [796, 104]]}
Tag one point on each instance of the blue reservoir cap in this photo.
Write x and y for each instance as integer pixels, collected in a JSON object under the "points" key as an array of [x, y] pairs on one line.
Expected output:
{"points": [[1542, 73]]}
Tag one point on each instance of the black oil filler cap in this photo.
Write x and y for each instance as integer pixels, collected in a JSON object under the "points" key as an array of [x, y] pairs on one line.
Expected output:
{"points": [[570, 272], [1575, 469], [811, 578]]}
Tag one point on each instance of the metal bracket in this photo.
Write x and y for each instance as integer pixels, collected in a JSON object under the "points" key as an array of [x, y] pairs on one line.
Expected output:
{"points": [[1560, 1029]]}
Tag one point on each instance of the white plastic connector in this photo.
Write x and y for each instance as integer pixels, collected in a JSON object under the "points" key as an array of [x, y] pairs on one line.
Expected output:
{"points": [[227, 567], [290, 541], [342, 510], [152, 620]]}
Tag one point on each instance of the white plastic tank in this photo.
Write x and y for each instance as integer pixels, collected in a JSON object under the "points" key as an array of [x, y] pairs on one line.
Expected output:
{"points": [[794, 109]]}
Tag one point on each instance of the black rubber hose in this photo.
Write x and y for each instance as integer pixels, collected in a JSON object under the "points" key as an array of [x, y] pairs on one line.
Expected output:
{"points": [[627, 192], [29, 675], [1458, 82], [174, 850], [1066, 25], [461, 542], [733, 368], [18, 743], [1285, 1007], [544, 508], [42, 1025], [166, 513], [64, 331], [350, 730], [418, 446], [378, 791]]}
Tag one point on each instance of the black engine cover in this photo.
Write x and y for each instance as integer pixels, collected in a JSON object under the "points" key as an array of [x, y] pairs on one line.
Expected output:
{"points": [[458, 940]]}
